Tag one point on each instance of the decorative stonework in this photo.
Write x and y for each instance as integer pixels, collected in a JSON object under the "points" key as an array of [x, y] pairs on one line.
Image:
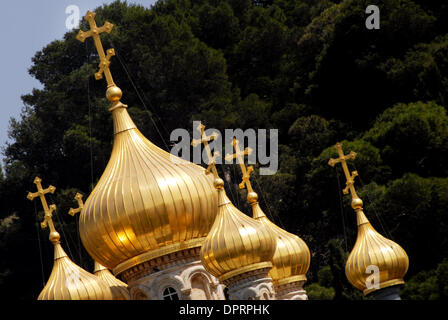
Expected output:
{"points": [[253, 285], [160, 263], [291, 291], [181, 271]]}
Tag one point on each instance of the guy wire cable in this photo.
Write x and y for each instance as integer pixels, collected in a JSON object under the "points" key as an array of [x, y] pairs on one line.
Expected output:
{"points": [[90, 120], [341, 207], [372, 205], [40, 246], [268, 206], [61, 227], [139, 96]]}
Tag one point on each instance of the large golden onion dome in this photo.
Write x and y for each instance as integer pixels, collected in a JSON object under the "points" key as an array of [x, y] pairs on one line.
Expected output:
{"points": [[372, 249], [70, 282], [118, 288], [236, 243], [291, 259], [147, 203]]}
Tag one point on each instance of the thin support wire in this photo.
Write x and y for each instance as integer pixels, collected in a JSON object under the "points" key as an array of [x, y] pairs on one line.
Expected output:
{"points": [[90, 122], [61, 224], [40, 246], [265, 201], [123, 65], [379, 218], [342, 208]]}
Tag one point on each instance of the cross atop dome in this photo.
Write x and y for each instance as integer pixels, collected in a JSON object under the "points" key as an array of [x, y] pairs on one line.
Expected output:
{"points": [[95, 33], [239, 154], [48, 210], [211, 157], [350, 177]]}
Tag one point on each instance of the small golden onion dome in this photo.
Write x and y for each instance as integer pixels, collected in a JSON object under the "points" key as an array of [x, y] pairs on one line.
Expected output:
{"points": [[372, 251], [118, 288], [291, 259], [147, 203], [70, 282], [236, 243]]}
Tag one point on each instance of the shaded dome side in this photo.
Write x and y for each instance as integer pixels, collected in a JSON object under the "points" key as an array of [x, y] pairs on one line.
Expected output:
{"points": [[118, 288], [70, 282], [145, 200], [372, 249], [291, 259], [236, 243]]}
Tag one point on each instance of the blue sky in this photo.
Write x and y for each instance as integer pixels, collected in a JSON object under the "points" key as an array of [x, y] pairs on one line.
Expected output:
{"points": [[26, 27]]}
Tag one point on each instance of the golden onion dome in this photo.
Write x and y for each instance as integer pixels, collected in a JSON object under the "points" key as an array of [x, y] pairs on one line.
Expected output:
{"points": [[147, 203], [372, 249], [70, 282], [372, 252], [291, 259], [118, 288], [236, 243]]}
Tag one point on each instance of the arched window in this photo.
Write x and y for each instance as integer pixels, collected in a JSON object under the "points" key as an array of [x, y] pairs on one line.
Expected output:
{"points": [[170, 294]]}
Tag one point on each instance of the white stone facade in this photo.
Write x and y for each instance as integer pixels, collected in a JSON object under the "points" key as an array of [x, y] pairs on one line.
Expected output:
{"points": [[189, 280]]}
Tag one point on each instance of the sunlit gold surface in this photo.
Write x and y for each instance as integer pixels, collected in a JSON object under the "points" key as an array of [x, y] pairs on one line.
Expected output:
{"points": [[371, 248], [147, 201], [70, 282], [291, 259], [144, 200], [118, 288], [236, 242], [67, 281]]}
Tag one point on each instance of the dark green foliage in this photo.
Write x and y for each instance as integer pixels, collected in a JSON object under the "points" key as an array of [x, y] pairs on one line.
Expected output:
{"points": [[309, 68], [428, 285]]}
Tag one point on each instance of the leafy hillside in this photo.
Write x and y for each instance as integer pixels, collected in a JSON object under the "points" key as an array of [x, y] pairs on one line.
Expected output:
{"points": [[307, 67]]}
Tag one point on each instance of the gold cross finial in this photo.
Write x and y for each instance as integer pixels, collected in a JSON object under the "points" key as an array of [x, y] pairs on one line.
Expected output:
{"points": [[78, 197], [245, 171], [343, 160], [205, 140], [48, 210], [95, 32]]}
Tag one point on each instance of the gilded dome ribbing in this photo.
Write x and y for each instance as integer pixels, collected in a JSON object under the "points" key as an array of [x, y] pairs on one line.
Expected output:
{"points": [[118, 288], [70, 282], [67, 281], [372, 249], [147, 203], [372, 252], [236, 243], [291, 259]]}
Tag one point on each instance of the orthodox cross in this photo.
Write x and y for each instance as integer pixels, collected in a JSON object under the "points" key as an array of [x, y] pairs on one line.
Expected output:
{"points": [[48, 210], [205, 140], [78, 197], [95, 32], [239, 154], [343, 160]]}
